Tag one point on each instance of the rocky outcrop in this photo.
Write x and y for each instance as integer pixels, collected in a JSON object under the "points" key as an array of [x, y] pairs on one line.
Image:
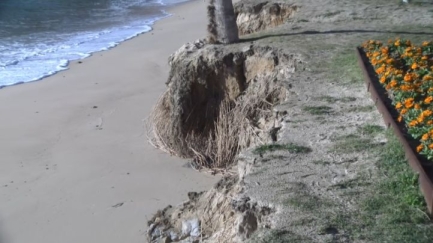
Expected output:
{"points": [[216, 91], [253, 16], [222, 214]]}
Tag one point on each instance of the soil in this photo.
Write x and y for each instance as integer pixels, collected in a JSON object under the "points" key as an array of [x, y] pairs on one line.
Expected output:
{"points": [[327, 111]]}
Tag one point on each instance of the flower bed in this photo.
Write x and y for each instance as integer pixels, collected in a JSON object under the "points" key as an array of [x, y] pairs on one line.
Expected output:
{"points": [[406, 72]]}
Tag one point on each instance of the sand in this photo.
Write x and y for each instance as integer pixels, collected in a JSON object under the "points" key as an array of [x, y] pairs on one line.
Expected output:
{"points": [[75, 163]]}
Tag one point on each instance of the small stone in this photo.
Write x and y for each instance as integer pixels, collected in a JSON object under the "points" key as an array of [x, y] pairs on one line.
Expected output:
{"points": [[118, 205], [165, 240], [94, 107]]}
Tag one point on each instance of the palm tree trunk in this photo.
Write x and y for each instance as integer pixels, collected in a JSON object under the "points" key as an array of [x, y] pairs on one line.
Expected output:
{"points": [[226, 22]]}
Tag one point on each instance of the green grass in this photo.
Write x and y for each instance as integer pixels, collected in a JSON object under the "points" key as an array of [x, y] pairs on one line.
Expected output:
{"points": [[330, 14], [308, 202], [318, 110], [370, 130], [331, 99], [289, 147], [344, 67], [367, 108], [278, 236], [392, 209], [352, 143]]}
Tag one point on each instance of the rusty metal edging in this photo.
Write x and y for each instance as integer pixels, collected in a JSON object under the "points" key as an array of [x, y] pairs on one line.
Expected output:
{"points": [[425, 181]]}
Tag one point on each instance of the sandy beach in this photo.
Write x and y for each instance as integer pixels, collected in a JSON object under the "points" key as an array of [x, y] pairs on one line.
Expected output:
{"points": [[76, 166]]}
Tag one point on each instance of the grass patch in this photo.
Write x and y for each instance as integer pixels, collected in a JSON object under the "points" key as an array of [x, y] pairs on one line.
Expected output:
{"points": [[344, 67], [367, 108], [393, 208], [321, 162], [308, 202], [330, 14], [370, 130], [289, 147], [318, 110], [331, 99], [278, 236], [351, 183], [352, 144]]}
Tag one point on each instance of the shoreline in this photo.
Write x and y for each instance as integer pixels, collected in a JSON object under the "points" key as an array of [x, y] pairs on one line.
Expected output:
{"points": [[76, 164], [166, 13]]}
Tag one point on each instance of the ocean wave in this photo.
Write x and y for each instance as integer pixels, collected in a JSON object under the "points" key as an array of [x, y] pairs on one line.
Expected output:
{"points": [[21, 63]]}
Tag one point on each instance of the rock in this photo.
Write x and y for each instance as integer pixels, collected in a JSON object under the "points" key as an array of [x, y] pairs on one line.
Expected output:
{"points": [[191, 228], [251, 17], [247, 224], [165, 240]]}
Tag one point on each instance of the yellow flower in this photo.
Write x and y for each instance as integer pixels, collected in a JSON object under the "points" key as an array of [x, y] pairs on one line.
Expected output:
{"points": [[397, 42]]}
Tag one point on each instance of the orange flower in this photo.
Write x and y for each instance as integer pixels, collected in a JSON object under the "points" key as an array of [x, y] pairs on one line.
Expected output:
{"points": [[407, 77], [389, 61], [384, 50], [408, 43], [417, 107], [414, 66], [425, 43], [430, 146], [427, 113], [380, 70], [382, 79], [408, 103], [403, 111], [428, 100], [427, 78], [397, 42], [393, 83], [425, 137], [424, 58], [430, 122], [413, 123], [419, 148]]}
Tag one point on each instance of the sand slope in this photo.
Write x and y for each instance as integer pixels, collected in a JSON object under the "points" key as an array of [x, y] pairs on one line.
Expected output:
{"points": [[73, 145]]}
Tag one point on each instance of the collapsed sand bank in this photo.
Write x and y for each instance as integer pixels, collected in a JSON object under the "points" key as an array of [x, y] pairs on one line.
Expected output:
{"points": [[76, 166]]}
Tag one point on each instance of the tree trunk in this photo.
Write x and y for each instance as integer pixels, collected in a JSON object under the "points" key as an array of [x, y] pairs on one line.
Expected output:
{"points": [[226, 22]]}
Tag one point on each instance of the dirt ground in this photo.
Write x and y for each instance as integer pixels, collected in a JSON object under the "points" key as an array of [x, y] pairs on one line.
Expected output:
{"points": [[321, 196], [335, 173]]}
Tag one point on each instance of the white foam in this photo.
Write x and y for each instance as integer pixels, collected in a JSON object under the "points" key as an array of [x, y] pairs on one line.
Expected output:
{"points": [[20, 63]]}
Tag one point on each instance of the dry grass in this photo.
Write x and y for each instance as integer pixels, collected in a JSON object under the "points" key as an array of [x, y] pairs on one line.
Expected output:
{"points": [[241, 123]]}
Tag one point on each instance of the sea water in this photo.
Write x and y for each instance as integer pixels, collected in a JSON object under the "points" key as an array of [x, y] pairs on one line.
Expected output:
{"points": [[39, 37]]}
